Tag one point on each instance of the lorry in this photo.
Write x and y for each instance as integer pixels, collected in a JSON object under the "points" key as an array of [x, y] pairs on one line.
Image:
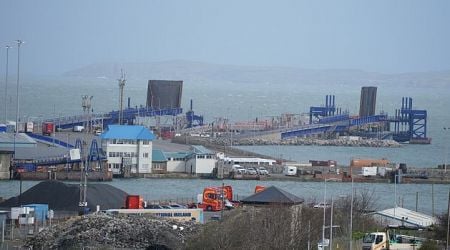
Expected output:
{"points": [[290, 170], [385, 240], [48, 128], [216, 198]]}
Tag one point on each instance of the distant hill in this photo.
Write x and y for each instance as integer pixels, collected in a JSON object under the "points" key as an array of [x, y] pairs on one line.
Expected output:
{"points": [[218, 74]]}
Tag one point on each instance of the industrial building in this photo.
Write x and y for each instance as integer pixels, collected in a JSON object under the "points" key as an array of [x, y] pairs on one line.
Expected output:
{"points": [[368, 101], [164, 94], [128, 149]]}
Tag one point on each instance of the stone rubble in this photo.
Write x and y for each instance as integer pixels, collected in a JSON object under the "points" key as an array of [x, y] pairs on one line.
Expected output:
{"points": [[119, 231], [310, 141]]}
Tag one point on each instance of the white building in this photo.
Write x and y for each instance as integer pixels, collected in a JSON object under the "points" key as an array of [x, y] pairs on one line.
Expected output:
{"points": [[201, 162], [176, 161], [128, 149]]}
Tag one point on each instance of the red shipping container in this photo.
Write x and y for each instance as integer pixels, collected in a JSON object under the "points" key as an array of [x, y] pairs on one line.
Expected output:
{"points": [[134, 202]]}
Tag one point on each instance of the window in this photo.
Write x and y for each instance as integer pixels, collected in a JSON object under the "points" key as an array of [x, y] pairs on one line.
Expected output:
{"points": [[145, 155], [379, 239], [145, 142], [158, 166]]}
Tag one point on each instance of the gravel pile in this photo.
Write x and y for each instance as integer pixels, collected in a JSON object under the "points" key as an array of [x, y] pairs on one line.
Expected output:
{"points": [[118, 231], [65, 197]]}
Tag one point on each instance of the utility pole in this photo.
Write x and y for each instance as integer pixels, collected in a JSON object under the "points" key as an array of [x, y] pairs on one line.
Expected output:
{"points": [[122, 82]]}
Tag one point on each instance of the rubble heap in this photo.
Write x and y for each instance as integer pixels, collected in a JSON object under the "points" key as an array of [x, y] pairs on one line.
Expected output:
{"points": [[118, 231]]}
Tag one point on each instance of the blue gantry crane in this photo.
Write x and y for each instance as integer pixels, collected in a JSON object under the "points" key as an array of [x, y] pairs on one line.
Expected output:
{"points": [[410, 124]]}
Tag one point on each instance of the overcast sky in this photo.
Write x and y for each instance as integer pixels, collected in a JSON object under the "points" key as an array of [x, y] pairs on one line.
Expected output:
{"points": [[384, 35]]}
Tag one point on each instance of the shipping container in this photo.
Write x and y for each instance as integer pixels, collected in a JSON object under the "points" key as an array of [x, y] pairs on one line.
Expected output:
{"points": [[369, 171], [134, 202], [368, 162], [47, 128], [329, 163]]}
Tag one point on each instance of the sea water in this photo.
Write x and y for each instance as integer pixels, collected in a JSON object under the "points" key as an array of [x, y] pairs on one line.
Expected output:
{"points": [[61, 96]]}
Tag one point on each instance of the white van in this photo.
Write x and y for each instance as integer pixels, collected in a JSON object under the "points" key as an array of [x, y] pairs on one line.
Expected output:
{"points": [[290, 170]]}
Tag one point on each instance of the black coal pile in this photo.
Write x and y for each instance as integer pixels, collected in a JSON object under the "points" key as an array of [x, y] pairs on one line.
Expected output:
{"points": [[118, 231], [65, 197]]}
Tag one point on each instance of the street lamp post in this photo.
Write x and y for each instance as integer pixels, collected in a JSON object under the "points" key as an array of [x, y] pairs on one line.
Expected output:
{"points": [[351, 219], [331, 224], [6, 82], [324, 209], [19, 43], [446, 148]]}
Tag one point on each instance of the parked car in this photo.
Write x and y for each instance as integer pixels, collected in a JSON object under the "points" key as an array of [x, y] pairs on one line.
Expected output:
{"points": [[238, 169], [321, 205], [263, 171], [153, 206], [176, 206], [251, 171]]}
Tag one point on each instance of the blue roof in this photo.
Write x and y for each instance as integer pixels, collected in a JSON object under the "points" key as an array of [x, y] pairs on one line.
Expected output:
{"points": [[129, 132], [158, 156]]}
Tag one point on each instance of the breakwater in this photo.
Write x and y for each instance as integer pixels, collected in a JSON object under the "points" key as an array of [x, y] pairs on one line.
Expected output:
{"points": [[225, 142], [319, 142]]}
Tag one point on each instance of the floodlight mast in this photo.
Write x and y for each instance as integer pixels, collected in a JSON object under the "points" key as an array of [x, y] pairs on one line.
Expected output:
{"points": [[122, 82], [86, 105]]}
